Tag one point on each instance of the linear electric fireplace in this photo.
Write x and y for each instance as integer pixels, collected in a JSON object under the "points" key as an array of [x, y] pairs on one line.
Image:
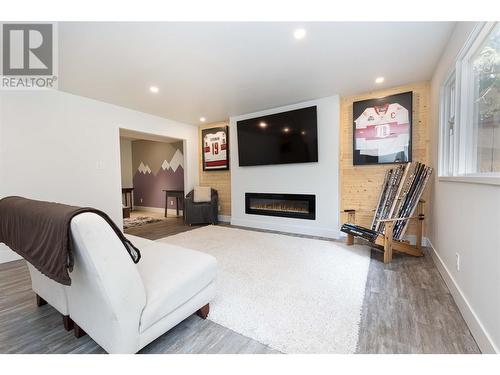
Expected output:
{"points": [[299, 206]]}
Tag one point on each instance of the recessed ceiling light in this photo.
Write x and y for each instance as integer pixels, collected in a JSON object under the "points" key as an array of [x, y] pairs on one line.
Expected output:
{"points": [[379, 80], [299, 34], [262, 124], [154, 89], [203, 119]]}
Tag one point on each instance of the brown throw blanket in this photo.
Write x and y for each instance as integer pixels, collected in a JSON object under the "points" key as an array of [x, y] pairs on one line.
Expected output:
{"points": [[40, 232]]}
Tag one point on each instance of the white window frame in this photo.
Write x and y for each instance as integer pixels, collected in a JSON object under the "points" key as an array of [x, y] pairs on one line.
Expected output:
{"points": [[459, 164], [448, 129]]}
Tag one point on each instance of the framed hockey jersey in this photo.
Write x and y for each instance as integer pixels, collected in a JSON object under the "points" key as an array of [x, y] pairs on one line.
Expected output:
{"points": [[215, 148], [382, 130]]}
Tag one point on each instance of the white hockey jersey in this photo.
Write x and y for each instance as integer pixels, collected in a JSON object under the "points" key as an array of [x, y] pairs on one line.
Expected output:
{"points": [[382, 130], [215, 150]]}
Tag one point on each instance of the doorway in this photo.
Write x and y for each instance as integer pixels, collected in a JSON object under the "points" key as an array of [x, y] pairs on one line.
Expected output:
{"points": [[152, 182]]}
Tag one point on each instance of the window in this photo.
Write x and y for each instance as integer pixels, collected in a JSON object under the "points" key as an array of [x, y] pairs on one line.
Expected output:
{"points": [[470, 108], [486, 102], [448, 127]]}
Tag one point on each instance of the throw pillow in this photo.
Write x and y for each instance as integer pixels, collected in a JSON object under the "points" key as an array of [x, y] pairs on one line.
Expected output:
{"points": [[202, 194]]}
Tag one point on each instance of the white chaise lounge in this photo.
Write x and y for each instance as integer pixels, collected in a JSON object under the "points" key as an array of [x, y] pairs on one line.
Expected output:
{"points": [[49, 291], [124, 306]]}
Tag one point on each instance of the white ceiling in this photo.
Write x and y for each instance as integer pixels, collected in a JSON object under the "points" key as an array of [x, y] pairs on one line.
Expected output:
{"points": [[133, 135], [217, 70]]}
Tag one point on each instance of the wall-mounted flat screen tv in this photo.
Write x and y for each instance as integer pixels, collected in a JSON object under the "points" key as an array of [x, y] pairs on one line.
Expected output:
{"points": [[280, 138]]}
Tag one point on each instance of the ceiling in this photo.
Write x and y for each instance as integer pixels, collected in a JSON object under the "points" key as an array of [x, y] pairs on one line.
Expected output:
{"points": [[217, 70], [133, 135]]}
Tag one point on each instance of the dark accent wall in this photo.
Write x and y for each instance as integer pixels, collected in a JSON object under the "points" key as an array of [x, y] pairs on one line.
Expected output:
{"points": [[156, 166]]}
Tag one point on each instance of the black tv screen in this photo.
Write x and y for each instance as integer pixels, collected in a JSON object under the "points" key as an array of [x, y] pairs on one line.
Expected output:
{"points": [[280, 138]]}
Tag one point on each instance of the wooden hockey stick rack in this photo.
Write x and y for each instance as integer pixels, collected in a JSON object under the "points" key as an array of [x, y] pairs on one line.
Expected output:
{"points": [[387, 241]]}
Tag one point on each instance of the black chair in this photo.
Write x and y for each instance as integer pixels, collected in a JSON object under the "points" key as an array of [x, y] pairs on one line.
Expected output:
{"points": [[201, 212]]}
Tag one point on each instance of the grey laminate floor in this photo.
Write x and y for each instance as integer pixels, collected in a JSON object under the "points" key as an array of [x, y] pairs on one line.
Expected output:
{"points": [[26, 328], [407, 309], [167, 227]]}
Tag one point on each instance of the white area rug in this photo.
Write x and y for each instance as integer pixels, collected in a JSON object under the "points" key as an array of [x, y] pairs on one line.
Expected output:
{"points": [[294, 294]]}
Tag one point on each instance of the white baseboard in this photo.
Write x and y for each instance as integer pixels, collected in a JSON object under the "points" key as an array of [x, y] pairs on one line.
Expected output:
{"points": [[173, 212], [413, 239], [170, 211], [477, 329], [408, 237], [225, 218], [149, 209], [287, 228], [7, 255]]}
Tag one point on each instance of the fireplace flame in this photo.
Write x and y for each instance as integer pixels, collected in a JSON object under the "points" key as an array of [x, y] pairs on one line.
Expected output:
{"points": [[281, 206]]}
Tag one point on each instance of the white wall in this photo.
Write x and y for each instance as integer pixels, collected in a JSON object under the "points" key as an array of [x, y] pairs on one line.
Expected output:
{"points": [[465, 219], [126, 162], [6, 255], [319, 178], [61, 147]]}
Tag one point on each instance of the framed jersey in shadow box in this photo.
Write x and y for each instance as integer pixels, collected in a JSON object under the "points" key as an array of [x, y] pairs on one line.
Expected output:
{"points": [[215, 148], [382, 130]]}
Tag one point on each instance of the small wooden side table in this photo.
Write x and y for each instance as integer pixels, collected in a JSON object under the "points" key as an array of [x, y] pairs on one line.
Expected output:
{"points": [[127, 192], [179, 195]]}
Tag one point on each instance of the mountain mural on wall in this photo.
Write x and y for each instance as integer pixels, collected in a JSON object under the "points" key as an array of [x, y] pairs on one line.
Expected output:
{"points": [[149, 185]]}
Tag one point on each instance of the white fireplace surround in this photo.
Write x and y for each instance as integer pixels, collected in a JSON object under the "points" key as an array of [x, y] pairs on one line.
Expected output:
{"points": [[320, 179]]}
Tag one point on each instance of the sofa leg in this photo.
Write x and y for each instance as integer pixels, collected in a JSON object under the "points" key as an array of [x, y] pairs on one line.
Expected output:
{"points": [[78, 331], [203, 312], [40, 301], [68, 323]]}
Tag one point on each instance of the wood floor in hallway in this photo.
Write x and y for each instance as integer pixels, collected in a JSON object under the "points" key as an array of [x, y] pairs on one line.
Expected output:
{"points": [[168, 226]]}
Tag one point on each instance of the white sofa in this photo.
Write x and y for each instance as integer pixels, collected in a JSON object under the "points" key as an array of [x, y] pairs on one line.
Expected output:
{"points": [[55, 294], [124, 306]]}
